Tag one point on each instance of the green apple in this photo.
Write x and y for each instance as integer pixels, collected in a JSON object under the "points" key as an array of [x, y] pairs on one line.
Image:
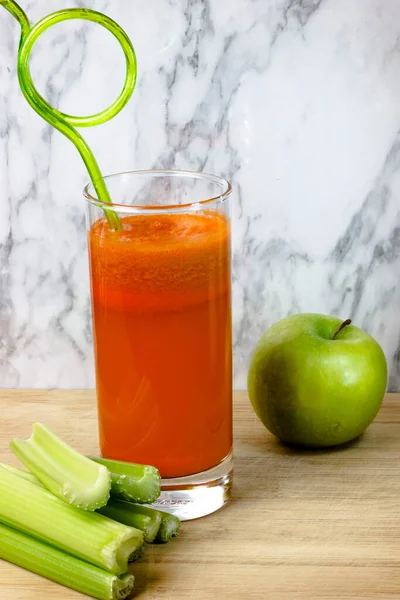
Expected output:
{"points": [[316, 381]]}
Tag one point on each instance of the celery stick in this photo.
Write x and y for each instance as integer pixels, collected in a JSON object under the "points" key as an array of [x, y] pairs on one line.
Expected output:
{"points": [[29, 477], [132, 482], [141, 517], [169, 527], [72, 572], [35, 511], [21, 473], [155, 524], [134, 515], [66, 473]]}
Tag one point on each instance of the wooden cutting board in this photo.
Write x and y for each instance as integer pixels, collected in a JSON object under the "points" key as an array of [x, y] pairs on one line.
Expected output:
{"points": [[301, 524]]}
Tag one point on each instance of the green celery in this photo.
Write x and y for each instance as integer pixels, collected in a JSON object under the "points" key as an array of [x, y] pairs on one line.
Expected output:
{"points": [[156, 524], [141, 517], [169, 528], [138, 551], [65, 472], [137, 554], [88, 535], [21, 473], [132, 482], [72, 572]]}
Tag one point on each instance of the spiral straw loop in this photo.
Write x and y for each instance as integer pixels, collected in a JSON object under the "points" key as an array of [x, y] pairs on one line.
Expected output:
{"points": [[39, 103], [65, 123]]}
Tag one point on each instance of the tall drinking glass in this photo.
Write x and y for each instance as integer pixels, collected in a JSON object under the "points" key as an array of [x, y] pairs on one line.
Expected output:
{"points": [[161, 303]]}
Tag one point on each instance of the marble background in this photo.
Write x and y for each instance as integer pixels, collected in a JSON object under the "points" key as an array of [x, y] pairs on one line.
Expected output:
{"points": [[297, 102]]}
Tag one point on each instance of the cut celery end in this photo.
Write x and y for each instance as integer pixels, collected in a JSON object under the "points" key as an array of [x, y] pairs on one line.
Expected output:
{"points": [[169, 527], [134, 515], [65, 472], [156, 525], [137, 554], [132, 482], [62, 568], [90, 536]]}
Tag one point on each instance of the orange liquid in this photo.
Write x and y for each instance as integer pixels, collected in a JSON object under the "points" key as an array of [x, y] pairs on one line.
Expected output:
{"points": [[162, 331]]}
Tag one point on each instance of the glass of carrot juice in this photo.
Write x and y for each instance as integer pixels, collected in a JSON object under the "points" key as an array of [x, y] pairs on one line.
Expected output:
{"points": [[161, 306]]}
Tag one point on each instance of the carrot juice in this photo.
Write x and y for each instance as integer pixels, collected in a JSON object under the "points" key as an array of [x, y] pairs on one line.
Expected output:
{"points": [[162, 332]]}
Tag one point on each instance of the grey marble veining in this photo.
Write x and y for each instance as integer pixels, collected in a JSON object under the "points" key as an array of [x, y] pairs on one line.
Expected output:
{"points": [[297, 102]]}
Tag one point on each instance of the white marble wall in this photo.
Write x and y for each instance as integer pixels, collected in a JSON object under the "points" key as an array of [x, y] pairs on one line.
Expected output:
{"points": [[297, 102]]}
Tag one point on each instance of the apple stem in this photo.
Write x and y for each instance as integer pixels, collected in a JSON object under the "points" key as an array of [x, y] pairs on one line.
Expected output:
{"points": [[342, 326]]}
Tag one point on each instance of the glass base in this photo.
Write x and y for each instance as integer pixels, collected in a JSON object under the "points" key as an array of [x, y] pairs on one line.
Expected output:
{"points": [[197, 495]]}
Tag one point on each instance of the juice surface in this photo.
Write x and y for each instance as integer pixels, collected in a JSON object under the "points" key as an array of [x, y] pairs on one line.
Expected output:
{"points": [[162, 331]]}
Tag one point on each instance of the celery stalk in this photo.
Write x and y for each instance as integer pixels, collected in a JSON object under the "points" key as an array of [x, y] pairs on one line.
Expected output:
{"points": [[156, 524], [169, 527], [88, 535], [135, 515], [72, 572], [21, 473], [66, 473], [146, 523], [132, 482]]}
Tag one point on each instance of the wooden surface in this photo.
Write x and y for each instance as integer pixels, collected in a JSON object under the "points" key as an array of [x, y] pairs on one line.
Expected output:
{"points": [[301, 525]]}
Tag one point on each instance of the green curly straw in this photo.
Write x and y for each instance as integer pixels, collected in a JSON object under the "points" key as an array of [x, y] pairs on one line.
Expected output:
{"points": [[62, 121]]}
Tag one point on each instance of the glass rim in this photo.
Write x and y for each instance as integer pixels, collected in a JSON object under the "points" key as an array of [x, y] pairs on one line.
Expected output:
{"points": [[152, 208]]}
